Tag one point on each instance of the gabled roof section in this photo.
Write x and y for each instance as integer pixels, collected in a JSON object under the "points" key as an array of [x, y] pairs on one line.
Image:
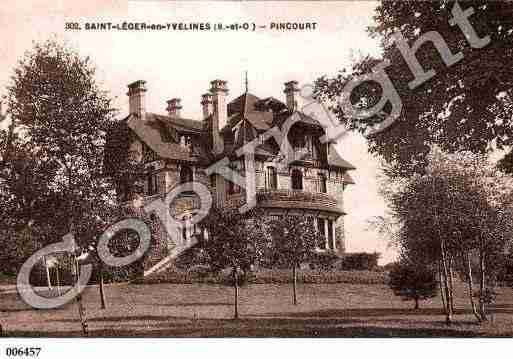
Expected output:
{"points": [[271, 103], [299, 117], [334, 159], [348, 179], [243, 104], [180, 124], [154, 132], [261, 121], [245, 107]]}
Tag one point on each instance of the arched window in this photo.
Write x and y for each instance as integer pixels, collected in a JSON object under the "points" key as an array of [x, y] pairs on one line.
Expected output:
{"points": [[186, 174], [272, 178], [323, 188], [297, 180]]}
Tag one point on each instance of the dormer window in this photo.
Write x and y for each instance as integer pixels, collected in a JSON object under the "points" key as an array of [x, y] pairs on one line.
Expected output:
{"points": [[186, 174], [233, 188], [147, 154], [186, 142]]}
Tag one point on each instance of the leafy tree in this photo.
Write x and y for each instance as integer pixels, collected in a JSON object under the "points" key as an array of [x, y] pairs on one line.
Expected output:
{"points": [[56, 103], [466, 106], [458, 211], [25, 197], [17, 247], [294, 239], [413, 282], [234, 241], [63, 115]]}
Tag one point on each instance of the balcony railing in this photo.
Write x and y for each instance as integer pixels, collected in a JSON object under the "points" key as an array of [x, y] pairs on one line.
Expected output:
{"points": [[298, 199]]}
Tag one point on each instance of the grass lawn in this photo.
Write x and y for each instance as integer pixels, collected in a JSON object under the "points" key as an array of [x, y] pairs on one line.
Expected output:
{"points": [[201, 310], [6, 280]]}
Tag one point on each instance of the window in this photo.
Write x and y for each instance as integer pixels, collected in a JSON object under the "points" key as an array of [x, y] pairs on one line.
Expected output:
{"points": [[186, 142], [299, 141], [153, 184], [297, 180], [272, 178], [184, 234], [233, 188], [212, 180], [147, 154], [322, 183], [186, 174], [331, 243], [321, 230]]}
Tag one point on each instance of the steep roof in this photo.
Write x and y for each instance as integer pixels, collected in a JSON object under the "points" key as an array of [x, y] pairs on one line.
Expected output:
{"points": [[181, 124], [348, 179], [334, 159], [160, 134], [245, 107], [243, 104], [248, 116]]}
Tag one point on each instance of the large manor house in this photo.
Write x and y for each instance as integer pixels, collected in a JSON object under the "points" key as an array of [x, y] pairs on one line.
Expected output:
{"points": [[178, 150]]}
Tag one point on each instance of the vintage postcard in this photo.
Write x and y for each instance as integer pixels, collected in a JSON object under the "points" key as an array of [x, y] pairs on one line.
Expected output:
{"points": [[254, 169]]}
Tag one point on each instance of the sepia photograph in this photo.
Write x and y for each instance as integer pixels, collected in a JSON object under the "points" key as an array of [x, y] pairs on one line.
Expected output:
{"points": [[254, 169]]}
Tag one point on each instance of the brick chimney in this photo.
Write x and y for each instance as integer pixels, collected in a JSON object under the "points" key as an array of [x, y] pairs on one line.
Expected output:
{"points": [[174, 108], [137, 98], [219, 92], [291, 95], [207, 105]]}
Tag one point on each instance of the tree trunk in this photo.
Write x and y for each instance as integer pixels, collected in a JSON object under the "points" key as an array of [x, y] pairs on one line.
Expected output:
{"points": [[81, 309], [294, 284], [236, 288], [440, 281], [416, 303], [451, 292], [471, 288], [482, 287], [102, 290], [74, 260], [448, 309]]}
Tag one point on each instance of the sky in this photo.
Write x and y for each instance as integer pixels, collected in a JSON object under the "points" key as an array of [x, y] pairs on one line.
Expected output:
{"points": [[182, 64]]}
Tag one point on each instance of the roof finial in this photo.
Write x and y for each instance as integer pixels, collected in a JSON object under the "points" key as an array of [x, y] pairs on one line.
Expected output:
{"points": [[247, 85]]}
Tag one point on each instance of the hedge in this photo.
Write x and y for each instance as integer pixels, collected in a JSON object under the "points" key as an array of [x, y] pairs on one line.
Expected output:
{"points": [[267, 276]]}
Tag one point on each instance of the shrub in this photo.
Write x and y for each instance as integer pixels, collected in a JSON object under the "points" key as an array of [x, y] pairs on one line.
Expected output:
{"points": [[359, 261], [413, 282], [505, 275], [267, 276], [7, 279], [323, 261]]}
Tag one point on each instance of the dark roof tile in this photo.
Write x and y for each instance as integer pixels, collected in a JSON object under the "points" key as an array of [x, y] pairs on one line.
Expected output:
{"points": [[334, 160]]}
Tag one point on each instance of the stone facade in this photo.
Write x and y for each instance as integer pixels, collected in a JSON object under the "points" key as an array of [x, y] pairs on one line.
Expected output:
{"points": [[177, 150]]}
